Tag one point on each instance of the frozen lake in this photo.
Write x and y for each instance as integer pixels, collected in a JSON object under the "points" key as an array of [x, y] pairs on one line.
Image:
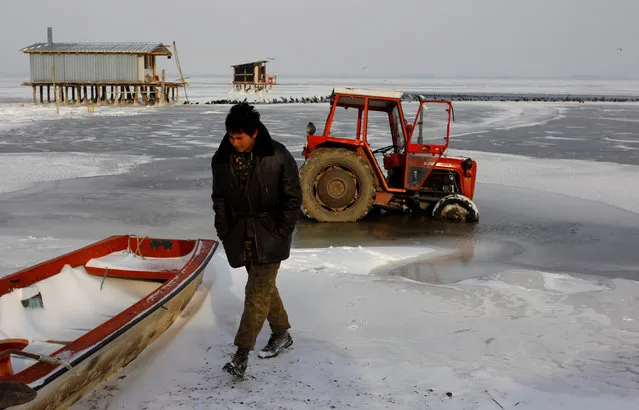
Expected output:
{"points": [[535, 306], [159, 182]]}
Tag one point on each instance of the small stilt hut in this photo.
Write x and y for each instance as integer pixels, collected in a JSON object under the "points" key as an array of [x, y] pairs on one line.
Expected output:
{"points": [[252, 77], [99, 73]]}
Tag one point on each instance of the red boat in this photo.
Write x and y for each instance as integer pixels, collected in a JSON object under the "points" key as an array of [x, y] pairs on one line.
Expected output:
{"points": [[120, 294]]}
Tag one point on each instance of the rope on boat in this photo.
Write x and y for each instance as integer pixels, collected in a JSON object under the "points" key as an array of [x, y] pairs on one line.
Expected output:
{"points": [[39, 357], [106, 273], [137, 251], [128, 250]]}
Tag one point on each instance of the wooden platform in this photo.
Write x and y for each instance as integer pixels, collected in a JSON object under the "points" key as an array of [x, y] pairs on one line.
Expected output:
{"points": [[146, 93]]}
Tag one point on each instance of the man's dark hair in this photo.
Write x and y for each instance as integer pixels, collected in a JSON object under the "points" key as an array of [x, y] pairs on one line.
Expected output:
{"points": [[242, 118]]}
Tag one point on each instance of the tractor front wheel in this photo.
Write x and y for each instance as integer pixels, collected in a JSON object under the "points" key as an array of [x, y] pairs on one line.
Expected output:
{"points": [[456, 207], [337, 186]]}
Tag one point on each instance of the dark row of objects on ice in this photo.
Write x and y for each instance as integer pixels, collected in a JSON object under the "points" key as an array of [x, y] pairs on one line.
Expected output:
{"points": [[281, 100], [523, 97], [451, 97]]}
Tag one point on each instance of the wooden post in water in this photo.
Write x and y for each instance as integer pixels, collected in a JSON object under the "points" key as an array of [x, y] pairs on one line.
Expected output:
{"points": [[162, 87], [135, 94], [55, 92], [177, 62]]}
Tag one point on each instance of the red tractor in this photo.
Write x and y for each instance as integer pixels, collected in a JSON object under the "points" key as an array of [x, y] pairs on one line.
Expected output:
{"points": [[370, 156]]}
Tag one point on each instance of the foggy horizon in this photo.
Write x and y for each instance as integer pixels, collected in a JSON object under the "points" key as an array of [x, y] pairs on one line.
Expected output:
{"points": [[566, 39]]}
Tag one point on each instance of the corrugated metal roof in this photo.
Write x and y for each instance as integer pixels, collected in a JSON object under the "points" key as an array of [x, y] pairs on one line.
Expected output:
{"points": [[94, 47]]}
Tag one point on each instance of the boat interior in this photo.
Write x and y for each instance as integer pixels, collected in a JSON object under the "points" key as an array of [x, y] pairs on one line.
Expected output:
{"points": [[50, 313]]}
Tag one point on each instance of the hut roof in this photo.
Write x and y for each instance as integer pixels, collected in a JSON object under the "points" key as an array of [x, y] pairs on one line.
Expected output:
{"points": [[99, 47], [250, 64]]}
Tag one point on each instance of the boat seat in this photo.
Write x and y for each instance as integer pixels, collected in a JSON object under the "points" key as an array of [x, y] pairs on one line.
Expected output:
{"points": [[5, 361]]}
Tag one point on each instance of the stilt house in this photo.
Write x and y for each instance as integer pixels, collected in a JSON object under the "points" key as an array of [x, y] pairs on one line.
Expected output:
{"points": [[252, 77], [105, 73]]}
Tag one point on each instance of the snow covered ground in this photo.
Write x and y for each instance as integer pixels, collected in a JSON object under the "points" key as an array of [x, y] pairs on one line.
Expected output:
{"points": [[414, 323]]}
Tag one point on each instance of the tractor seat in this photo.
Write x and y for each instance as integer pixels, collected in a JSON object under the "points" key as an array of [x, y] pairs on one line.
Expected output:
{"points": [[393, 161]]}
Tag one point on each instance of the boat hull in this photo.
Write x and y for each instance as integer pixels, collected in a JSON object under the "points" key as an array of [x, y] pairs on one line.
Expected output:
{"points": [[104, 350], [96, 368]]}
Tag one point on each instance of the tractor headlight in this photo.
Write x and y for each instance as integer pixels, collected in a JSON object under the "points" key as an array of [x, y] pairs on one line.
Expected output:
{"points": [[310, 129], [467, 164]]}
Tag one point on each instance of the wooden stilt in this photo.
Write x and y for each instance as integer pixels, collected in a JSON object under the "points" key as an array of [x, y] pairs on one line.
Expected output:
{"points": [[55, 91], [162, 88], [135, 94]]}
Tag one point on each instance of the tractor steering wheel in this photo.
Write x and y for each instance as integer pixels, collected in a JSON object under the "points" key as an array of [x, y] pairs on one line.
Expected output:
{"points": [[383, 150]]}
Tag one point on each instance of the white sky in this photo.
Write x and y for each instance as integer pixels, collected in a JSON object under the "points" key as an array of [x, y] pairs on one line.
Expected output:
{"points": [[557, 38]]}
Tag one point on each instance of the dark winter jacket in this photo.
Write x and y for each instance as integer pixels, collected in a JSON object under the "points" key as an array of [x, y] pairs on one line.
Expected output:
{"points": [[271, 203]]}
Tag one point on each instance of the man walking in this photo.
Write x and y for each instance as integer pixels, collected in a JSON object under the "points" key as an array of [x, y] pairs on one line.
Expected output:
{"points": [[256, 199]]}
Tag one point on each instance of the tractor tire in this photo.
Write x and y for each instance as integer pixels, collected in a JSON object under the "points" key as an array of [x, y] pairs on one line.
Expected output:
{"points": [[456, 207], [337, 186]]}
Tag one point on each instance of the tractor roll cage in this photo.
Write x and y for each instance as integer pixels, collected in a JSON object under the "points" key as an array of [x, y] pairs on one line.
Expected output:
{"points": [[364, 103]]}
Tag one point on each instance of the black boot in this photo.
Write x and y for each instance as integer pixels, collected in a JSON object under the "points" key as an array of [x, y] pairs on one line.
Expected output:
{"points": [[238, 363], [275, 345]]}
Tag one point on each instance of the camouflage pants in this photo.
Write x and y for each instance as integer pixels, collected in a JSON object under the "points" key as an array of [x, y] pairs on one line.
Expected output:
{"points": [[261, 302]]}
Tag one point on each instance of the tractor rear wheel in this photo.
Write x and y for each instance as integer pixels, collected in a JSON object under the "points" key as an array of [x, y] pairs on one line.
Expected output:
{"points": [[337, 186]]}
